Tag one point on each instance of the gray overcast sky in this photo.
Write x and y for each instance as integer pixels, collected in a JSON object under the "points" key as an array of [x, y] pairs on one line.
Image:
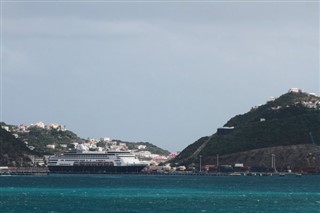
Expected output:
{"points": [[164, 72]]}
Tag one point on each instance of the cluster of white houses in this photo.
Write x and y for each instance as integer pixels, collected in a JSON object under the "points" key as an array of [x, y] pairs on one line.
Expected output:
{"points": [[101, 145], [113, 145], [24, 128]]}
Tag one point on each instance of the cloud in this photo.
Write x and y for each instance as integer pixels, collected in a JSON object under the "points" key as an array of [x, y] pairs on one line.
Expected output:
{"points": [[70, 28], [168, 72]]}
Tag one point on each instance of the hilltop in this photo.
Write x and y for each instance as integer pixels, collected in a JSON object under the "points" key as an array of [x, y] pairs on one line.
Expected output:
{"points": [[281, 125], [44, 139]]}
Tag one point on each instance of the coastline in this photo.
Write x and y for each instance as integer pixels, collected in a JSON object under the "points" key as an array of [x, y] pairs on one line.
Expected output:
{"points": [[41, 171]]}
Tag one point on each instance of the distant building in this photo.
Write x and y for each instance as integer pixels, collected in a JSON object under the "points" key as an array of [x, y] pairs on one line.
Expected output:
{"points": [[173, 154], [238, 165], [23, 128], [225, 130], [6, 128], [113, 143], [57, 127], [51, 146], [40, 124], [39, 161], [145, 154], [142, 147], [31, 147], [106, 139], [122, 144], [160, 159], [75, 145], [296, 90]]}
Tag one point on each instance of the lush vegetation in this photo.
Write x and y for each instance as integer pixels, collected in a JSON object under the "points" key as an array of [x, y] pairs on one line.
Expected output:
{"points": [[149, 147], [276, 132], [284, 121], [40, 138], [187, 153], [13, 152]]}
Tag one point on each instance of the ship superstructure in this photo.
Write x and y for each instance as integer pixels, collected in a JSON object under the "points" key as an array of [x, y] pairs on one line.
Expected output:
{"points": [[83, 161]]}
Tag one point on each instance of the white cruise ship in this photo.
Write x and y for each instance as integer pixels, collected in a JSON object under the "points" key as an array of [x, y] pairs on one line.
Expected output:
{"points": [[92, 162]]}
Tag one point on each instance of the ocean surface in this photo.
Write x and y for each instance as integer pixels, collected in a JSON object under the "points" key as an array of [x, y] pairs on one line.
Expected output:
{"points": [[148, 194]]}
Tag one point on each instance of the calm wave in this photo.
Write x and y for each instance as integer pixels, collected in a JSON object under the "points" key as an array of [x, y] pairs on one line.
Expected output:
{"points": [[143, 193]]}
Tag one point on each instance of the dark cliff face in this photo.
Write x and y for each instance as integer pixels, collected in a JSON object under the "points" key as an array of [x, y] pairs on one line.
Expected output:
{"points": [[285, 122]]}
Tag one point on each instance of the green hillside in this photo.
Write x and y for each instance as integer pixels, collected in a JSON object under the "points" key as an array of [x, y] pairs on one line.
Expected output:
{"points": [[37, 139], [286, 121], [13, 152], [40, 138], [149, 147]]}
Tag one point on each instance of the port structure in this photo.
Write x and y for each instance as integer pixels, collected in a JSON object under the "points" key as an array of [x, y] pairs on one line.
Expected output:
{"points": [[316, 150]]}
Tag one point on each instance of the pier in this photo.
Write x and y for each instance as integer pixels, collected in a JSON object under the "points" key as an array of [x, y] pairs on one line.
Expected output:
{"points": [[23, 171], [41, 171]]}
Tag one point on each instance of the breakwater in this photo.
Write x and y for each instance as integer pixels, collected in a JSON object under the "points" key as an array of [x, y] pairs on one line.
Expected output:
{"points": [[44, 171], [24, 171]]}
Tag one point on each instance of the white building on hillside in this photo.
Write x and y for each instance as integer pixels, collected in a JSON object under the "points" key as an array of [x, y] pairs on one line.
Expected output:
{"points": [[142, 147], [40, 124], [5, 128], [296, 90]]}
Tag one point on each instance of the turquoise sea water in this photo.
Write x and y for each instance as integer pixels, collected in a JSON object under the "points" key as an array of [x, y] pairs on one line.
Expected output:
{"points": [[147, 193]]}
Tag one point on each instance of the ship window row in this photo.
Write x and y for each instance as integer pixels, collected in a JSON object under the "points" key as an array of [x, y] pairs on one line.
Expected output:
{"points": [[79, 160], [87, 156]]}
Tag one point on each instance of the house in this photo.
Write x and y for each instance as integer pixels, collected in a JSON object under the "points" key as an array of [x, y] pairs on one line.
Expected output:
{"points": [[296, 90], [5, 128], [142, 147], [225, 130], [51, 146]]}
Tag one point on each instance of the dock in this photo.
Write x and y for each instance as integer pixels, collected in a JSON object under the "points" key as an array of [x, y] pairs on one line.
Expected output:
{"points": [[39, 171]]}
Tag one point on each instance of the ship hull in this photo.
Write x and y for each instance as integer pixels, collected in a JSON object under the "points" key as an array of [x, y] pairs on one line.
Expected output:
{"points": [[96, 169]]}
